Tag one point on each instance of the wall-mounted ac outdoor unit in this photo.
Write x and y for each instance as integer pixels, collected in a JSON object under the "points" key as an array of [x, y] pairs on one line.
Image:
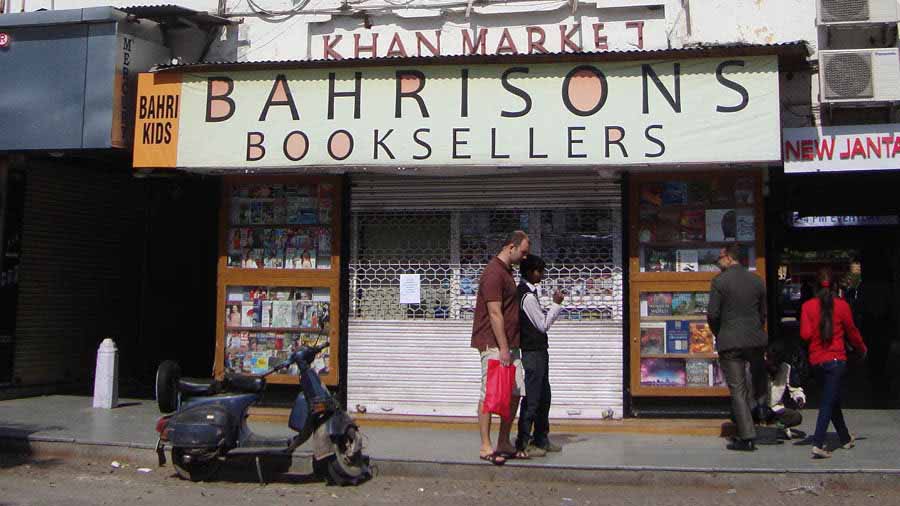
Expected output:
{"points": [[859, 75], [841, 12]]}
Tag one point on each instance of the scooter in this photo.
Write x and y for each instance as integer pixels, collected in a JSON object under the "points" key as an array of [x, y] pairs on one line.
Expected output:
{"points": [[210, 424]]}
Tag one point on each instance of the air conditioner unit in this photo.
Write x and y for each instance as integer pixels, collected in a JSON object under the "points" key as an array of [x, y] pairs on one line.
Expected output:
{"points": [[850, 12], [859, 75]]}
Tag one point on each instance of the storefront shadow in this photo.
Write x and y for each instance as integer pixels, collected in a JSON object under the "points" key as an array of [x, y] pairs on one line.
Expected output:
{"points": [[16, 449]]}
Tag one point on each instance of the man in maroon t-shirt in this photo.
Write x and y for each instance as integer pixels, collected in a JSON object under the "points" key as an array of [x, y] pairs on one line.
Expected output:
{"points": [[495, 334]]}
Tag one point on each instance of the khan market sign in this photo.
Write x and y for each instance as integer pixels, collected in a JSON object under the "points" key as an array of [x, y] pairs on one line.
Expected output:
{"points": [[842, 148], [546, 114]]}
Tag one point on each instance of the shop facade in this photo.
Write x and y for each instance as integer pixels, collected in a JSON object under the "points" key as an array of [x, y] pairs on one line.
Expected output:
{"points": [[361, 198], [837, 208]]}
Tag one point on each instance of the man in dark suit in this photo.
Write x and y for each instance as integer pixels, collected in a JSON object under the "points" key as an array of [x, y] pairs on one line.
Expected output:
{"points": [[737, 317]]}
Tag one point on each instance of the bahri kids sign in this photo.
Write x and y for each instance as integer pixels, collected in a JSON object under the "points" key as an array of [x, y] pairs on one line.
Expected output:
{"points": [[623, 113]]}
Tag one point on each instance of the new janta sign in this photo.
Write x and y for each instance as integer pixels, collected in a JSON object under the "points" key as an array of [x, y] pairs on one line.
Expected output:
{"points": [[481, 115]]}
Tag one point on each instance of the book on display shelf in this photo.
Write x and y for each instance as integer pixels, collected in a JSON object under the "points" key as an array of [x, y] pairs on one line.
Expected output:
{"points": [[702, 339], [698, 372], [663, 372], [653, 337], [678, 335], [659, 303], [721, 225], [682, 303], [687, 260]]}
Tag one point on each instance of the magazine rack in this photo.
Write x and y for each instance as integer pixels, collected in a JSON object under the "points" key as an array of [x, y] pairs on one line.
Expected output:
{"points": [[678, 224], [279, 256]]}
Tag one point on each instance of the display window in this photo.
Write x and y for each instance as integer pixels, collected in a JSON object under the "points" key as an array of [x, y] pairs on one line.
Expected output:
{"points": [[279, 275], [680, 222]]}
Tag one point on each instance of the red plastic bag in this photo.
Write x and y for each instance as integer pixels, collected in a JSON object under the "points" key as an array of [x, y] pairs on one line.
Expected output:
{"points": [[498, 388]]}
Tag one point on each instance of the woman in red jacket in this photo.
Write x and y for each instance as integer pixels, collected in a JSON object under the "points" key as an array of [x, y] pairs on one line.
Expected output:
{"points": [[825, 323]]}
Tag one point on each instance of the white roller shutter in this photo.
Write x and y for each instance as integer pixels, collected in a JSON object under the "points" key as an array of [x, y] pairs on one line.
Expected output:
{"points": [[428, 368], [425, 366]]}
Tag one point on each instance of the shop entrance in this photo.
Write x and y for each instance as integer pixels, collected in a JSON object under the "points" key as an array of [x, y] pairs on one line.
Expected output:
{"points": [[847, 226]]}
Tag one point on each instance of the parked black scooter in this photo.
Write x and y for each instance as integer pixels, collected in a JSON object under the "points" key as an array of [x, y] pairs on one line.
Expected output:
{"points": [[210, 424]]}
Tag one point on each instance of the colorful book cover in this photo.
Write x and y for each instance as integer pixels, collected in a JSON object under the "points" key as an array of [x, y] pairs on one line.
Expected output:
{"points": [[682, 303], [292, 258], [257, 256], [256, 214], [701, 303], [659, 304], [281, 313], [664, 372], [702, 340], [746, 230], [698, 372], [721, 225], [247, 314], [233, 315], [693, 225], [678, 335], [687, 260], [659, 260], [652, 195], [303, 313], [653, 337], [266, 319], [259, 362], [674, 193]]}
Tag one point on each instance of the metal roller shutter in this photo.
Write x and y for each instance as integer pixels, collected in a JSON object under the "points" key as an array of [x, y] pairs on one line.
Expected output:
{"points": [[425, 366], [79, 271]]}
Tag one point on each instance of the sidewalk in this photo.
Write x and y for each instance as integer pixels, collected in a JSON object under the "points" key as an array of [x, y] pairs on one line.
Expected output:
{"points": [[72, 421]]}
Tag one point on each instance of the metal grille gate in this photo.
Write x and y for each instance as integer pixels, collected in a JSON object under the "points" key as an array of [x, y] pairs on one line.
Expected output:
{"points": [[414, 359]]}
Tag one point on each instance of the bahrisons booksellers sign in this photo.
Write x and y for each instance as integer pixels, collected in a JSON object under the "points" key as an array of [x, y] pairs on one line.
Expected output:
{"points": [[546, 114]]}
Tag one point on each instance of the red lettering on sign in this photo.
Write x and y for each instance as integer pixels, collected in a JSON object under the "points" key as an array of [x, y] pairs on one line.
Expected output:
{"points": [[395, 48], [565, 39], [824, 150], [435, 47], [372, 49], [328, 47], [639, 25], [791, 150], [872, 146], [506, 44], [600, 41], [480, 42], [806, 149], [536, 45], [4, 39]]}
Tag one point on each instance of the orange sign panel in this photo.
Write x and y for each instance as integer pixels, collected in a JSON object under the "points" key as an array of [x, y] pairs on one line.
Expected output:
{"points": [[156, 120]]}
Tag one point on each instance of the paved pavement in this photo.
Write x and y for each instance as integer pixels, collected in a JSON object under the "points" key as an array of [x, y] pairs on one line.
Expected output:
{"points": [[69, 419]]}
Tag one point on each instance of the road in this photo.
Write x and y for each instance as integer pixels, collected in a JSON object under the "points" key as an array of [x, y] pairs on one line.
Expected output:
{"points": [[86, 482]]}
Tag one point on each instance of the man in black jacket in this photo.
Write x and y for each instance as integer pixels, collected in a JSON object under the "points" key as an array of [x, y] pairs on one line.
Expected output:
{"points": [[737, 317]]}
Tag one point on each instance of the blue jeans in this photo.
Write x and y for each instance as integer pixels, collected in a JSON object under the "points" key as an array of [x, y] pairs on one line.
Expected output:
{"points": [[830, 375]]}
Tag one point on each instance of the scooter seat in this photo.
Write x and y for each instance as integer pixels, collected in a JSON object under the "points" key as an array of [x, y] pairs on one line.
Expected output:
{"points": [[245, 383], [198, 386]]}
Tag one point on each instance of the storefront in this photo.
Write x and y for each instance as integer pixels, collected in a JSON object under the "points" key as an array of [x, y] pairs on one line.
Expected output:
{"points": [[393, 179], [838, 207]]}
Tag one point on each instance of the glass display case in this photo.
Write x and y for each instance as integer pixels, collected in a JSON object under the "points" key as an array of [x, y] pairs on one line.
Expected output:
{"points": [[679, 224]]}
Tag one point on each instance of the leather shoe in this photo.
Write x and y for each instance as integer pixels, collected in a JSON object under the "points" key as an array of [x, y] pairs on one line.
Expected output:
{"points": [[742, 445]]}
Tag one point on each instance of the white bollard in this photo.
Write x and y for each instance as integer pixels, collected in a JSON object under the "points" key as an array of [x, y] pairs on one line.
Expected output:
{"points": [[106, 377]]}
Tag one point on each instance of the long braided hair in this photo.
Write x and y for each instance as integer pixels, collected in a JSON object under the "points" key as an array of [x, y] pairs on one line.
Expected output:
{"points": [[825, 295]]}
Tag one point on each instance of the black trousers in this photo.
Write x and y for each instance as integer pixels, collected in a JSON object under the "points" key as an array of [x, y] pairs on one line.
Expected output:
{"points": [[744, 394], [535, 409]]}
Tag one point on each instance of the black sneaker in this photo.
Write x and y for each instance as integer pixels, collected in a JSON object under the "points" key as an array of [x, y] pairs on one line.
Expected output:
{"points": [[742, 445]]}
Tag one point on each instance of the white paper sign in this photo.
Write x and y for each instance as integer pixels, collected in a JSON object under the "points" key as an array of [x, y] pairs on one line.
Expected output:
{"points": [[410, 289]]}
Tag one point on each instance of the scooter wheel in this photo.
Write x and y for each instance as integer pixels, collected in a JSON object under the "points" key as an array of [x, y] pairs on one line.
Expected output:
{"points": [[348, 465], [198, 465], [167, 375]]}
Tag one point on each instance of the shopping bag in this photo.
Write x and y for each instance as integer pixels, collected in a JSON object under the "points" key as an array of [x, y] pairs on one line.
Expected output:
{"points": [[498, 388]]}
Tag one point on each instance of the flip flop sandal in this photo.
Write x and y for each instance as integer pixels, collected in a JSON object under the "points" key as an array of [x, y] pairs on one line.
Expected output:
{"points": [[519, 455], [494, 458]]}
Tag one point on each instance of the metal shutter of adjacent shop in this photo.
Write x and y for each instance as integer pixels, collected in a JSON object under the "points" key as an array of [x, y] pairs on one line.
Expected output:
{"points": [[78, 280], [422, 367]]}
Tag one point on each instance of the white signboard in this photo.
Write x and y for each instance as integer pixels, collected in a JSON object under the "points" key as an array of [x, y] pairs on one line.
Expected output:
{"points": [[586, 113], [410, 289], [842, 148], [842, 221]]}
